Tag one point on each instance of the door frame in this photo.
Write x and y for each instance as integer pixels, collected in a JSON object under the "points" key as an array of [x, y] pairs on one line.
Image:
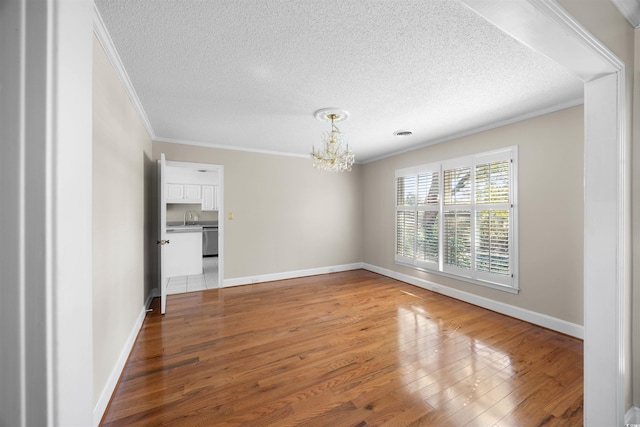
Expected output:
{"points": [[162, 232]]}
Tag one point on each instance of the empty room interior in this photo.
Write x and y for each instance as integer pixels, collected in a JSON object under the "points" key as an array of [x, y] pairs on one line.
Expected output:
{"points": [[353, 213]]}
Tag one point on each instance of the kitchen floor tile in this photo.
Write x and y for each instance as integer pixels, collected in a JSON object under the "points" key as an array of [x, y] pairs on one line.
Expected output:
{"points": [[176, 289], [207, 280], [195, 283], [178, 280], [211, 280]]}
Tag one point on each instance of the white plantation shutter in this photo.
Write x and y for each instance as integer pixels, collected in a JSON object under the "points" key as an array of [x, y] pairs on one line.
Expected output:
{"points": [[405, 218], [457, 239], [428, 226], [492, 241], [492, 182], [457, 186], [494, 209], [457, 220], [427, 238], [406, 191], [458, 217], [406, 230], [493, 212], [428, 189], [418, 217]]}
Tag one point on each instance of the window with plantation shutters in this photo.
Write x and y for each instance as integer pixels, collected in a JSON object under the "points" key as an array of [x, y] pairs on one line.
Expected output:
{"points": [[457, 218]]}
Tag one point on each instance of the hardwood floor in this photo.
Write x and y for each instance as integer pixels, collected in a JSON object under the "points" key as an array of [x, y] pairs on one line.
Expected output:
{"points": [[345, 349]]}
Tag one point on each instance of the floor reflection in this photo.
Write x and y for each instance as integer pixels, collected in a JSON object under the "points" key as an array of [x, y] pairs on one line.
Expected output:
{"points": [[449, 369]]}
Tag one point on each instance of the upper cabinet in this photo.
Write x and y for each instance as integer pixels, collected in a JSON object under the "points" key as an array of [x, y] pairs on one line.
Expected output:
{"points": [[174, 191], [191, 186], [183, 193], [193, 192], [209, 198]]}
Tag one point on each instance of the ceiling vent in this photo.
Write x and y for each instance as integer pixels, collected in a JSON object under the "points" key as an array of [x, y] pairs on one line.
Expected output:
{"points": [[403, 133]]}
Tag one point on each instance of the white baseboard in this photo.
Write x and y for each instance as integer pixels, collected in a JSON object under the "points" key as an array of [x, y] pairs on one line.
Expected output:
{"points": [[290, 274], [544, 320], [632, 417], [112, 382]]}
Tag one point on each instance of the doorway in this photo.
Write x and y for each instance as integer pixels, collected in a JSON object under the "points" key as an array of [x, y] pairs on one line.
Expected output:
{"points": [[191, 198]]}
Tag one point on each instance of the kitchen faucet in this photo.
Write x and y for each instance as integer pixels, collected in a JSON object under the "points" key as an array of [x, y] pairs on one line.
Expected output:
{"points": [[188, 214]]}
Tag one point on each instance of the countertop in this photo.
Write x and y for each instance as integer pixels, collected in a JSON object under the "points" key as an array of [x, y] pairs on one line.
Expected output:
{"points": [[184, 228], [191, 227]]}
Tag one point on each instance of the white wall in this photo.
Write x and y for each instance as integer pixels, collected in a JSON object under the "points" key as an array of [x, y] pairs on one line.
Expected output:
{"points": [[122, 240], [45, 167], [635, 198]]}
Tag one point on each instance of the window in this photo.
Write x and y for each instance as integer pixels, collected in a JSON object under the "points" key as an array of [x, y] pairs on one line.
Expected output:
{"points": [[457, 218]]}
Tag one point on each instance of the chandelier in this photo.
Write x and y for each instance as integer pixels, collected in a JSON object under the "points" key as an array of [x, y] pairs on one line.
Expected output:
{"points": [[331, 156]]}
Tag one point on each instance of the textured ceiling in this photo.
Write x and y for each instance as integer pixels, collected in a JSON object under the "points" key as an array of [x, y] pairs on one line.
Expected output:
{"points": [[250, 73]]}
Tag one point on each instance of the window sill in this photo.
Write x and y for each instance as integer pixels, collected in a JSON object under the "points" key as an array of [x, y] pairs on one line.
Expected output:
{"points": [[486, 284]]}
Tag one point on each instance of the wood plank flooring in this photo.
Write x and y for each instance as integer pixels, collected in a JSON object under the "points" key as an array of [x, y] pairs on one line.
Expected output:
{"points": [[344, 349]]}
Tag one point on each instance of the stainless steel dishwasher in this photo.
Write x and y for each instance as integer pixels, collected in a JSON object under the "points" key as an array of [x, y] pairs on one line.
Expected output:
{"points": [[210, 240]]}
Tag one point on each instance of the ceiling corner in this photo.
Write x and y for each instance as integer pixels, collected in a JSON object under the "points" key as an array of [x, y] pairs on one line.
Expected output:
{"points": [[630, 9]]}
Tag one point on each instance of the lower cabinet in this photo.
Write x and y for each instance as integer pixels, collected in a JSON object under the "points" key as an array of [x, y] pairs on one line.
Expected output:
{"points": [[183, 255]]}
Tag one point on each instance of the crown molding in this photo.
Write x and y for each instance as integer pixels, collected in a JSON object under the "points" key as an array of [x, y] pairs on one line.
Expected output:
{"points": [[229, 147], [102, 34], [520, 118]]}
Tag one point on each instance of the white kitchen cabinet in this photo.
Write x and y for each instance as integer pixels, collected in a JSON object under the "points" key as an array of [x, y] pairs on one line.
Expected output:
{"points": [[183, 254], [174, 191], [209, 198], [183, 193], [192, 192]]}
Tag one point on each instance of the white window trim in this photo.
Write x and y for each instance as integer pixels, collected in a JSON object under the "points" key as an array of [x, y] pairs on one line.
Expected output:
{"points": [[510, 284]]}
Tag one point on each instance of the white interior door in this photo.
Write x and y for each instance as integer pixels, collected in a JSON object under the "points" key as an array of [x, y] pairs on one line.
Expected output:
{"points": [[162, 232]]}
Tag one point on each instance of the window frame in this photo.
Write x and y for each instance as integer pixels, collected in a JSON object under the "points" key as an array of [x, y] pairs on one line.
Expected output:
{"points": [[509, 282]]}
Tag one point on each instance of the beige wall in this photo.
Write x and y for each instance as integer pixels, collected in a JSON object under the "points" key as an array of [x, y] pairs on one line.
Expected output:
{"points": [[121, 206], [287, 216], [550, 190]]}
